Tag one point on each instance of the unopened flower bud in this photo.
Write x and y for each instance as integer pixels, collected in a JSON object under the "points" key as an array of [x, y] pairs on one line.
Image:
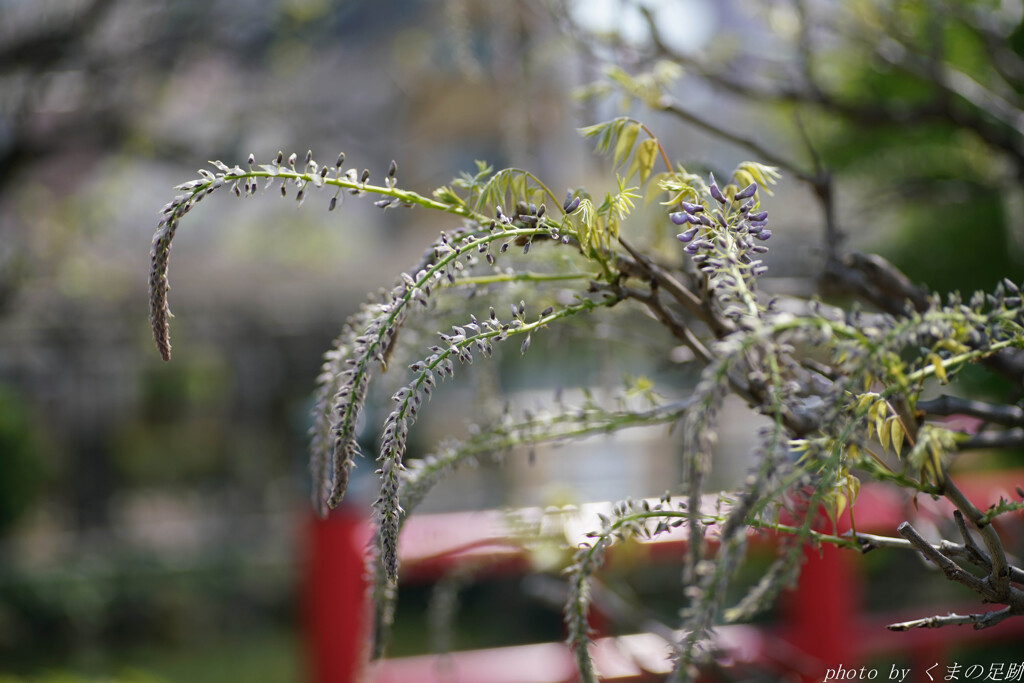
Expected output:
{"points": [[713, 189], [688, 235], [678, 217], [747, 191], [691, 208]]}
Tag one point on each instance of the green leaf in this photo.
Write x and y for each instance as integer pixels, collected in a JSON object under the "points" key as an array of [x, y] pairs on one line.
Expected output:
{"points": [[896, 433], [625, 143], [644, 158]]}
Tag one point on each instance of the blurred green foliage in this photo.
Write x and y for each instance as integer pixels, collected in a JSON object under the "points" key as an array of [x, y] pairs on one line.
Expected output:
{"points": [[939, 169], [22, 469]]}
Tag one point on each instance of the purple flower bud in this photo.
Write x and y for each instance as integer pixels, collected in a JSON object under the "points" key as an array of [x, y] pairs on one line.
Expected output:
{"points": [[392, 169], [252, 158], [572, 205], [691, 208], [678, 217], [690, 248], [720, 219], [717, 194], [365, 176], [747, 191], [334, 203], [760, 216], [759, 249], [339, 162], [713, 189], [756, 224], [280, 157], [763, 235], [688, 235], [704, 220]]}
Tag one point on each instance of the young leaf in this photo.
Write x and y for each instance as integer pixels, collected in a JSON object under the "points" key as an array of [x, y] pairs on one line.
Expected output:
{"points": [[625, 143], [644, 158]]}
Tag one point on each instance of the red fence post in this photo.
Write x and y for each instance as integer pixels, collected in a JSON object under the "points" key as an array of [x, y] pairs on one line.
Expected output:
{"points": [[334, 599], [822, 614]]}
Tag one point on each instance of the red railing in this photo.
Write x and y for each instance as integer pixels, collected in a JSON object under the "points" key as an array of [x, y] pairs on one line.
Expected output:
{"points": [[822, 624]]}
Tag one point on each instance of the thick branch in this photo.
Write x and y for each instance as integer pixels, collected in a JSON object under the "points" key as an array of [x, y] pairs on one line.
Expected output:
{"points": [[1010, 438], [1006, 415]]}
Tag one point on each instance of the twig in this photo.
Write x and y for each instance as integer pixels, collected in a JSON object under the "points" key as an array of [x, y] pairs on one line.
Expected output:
{"points": [[678, 291], [979, 621], [678, 329], [951, 569], [999, 575], [974, 555], [673, 107]]}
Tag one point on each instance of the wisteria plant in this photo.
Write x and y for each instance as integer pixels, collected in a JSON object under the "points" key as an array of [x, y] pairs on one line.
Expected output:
{"points": [[841, 387]]}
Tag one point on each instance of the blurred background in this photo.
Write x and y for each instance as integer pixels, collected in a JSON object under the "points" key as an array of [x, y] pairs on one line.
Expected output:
{"points": [[153, 516]]}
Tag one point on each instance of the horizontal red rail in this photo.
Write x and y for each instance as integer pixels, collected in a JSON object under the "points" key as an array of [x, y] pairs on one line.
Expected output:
{"points": [[821, 626]]}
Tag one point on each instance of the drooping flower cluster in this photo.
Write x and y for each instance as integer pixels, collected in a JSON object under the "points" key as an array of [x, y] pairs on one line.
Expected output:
{"points": [[738, 218], [724, 239]]}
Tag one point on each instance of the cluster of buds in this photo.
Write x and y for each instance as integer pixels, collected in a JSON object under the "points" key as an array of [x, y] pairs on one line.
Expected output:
{"points": [[705, 224]]}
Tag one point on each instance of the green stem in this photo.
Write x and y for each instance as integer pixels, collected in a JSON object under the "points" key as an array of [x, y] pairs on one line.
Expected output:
{"points": [[974, 354], [523, 277]]}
